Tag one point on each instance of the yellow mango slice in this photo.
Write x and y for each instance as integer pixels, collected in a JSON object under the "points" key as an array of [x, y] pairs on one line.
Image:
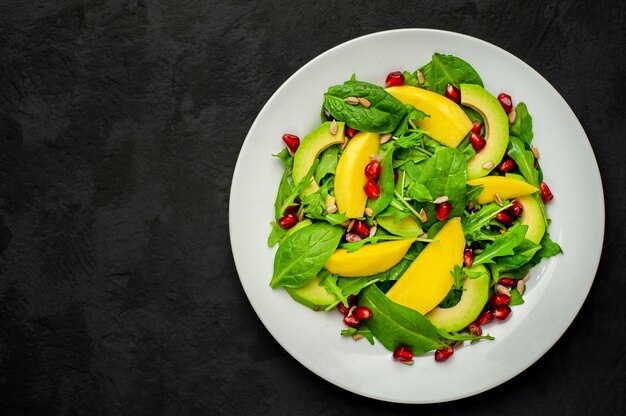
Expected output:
{"points": [[369, 259], [349, 175], [448, 123], [506, 187], [428, 280]]}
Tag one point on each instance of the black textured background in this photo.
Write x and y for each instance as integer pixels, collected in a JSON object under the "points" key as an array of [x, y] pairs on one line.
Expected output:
{"points": [[120, 125]]}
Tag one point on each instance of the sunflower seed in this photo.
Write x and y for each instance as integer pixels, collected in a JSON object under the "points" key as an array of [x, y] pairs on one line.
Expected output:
{"points": [[420, 77], [364, 102], [385, 138], [345, 224], [488, 165], [512, 116], [526, 277], [409, 362], [470, 205], [441, 200], [352, 100], [376, 157], [502, 290], [333, 127], [497, 199], [521, 286], [331, 209], [301, 214], [423, 215], [351, 225], [423, 236], [357, 337], [369, 212], [478, 250], [535, 152], [344, 143], [373, 230]]}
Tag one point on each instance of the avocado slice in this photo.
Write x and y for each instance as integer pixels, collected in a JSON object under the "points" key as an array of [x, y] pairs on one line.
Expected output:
{"points": [[496, 128], [406, 227], [310, 147], [473, 300], [313, 295]]}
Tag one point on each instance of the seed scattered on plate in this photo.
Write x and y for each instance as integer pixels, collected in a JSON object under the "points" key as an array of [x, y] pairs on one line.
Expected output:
{"points": [[357, 337], [331, 209], [423, 236], [373, 230], [488, 165], [333, 127], [520, 286], [364, 102], [423, 215], [526, 277], [535, 152], [512, 117], [352, 100], [376, 157], [385, 138], [441, 200], [420, 77], [369, 212], [502, 289], [497, 199]]}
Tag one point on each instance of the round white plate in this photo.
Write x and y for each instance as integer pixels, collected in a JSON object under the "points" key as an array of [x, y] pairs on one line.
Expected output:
{"points": [[556, 291]]}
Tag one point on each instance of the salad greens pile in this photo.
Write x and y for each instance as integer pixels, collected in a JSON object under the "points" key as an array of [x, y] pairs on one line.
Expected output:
{"points": [[417, 172]]}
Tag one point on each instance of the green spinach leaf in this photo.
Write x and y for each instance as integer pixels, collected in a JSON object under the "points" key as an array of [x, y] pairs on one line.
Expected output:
{"points": [[362, 330], [523, 125], [448, 69], [354, 285], [276, 235], [445, 174], [413, 115]]}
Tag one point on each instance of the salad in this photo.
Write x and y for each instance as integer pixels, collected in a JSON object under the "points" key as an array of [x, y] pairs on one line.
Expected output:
{"points": [[416, 210]]}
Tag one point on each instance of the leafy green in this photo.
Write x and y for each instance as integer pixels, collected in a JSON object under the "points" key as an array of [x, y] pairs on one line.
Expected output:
{"points": [[329, 282], [459, 277], [283, 194], [413, 115], [301, 256], [523, 125], [276, 235], [353, 285], [354, 246], [445, 174], [362, 330], [285, 157], [548, 248], [336, 218], [328, 163], [476, 220], [410, 78], [516, 297], [467, 149], [447, 69], [385, 183], [383, 115], [503, 245], [522, 254], [393, 324], [524, 160], [420, 192], [295, 191], [473, 115]]}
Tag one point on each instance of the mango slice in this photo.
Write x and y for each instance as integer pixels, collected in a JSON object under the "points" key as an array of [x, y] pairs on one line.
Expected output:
{"points": [[506, 187], [349, 175], [448, 123], [428, 280], [369, 259]]}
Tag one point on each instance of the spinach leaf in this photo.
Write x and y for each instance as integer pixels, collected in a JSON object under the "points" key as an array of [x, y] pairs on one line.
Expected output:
{"points": [[524, 160], [386, 184], [413, 115], [523, 126], [467, 149], [447, 69], [446, 174], [420, 192], [410, 78], [354, 285], [516, 297], [503, 245], [383, 115], [336, 218], [328, 163], [362, 330], [301, 256], [393, 324], [276, 235]]}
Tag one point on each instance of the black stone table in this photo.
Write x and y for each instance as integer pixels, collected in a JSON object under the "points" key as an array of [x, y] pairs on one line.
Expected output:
{"points": [[120, 125]]}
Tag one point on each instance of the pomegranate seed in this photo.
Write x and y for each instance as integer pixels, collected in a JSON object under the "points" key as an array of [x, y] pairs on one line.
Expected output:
{"points": [[371, 189], [516, 209], [360, 228], [478, 143], [507, 165], [500, 300], [505, 281], [504, 218], [453, 93], [402, 353], [394, 79], [536, 164], [287, 221], [484, 317], [343, 308], [443, 355], [372, 170], [443, 210], [352, 237], [327, 115], [505, 102], [468, 257], [361, 313], [502, 313], [350, 132], [351, 321], [395, 176], [474, 329], [292, 141], [546, 194], [476, 127]]}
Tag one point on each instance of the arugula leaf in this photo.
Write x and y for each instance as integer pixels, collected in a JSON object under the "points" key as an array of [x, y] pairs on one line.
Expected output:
{"points": [[448, 69], [523, 125], [410, 78], [481, 218], [328, 163], [459, 277], [301, 256], [297, 189], [445, 174], [329, 282], [503, 245], [548, 248], [283, 194], [393, 324], [413, 115], [386, 184], [383, 115], [522, 254], [285, 157], [352, 247], [362, 330], [472, 193], [524, 160]]}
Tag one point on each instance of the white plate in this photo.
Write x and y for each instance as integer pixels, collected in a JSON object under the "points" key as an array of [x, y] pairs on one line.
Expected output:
{"points": [[556, 291]]}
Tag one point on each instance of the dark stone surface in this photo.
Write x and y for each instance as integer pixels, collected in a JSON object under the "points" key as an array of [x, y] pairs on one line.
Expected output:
{"points": [[120, 125]]}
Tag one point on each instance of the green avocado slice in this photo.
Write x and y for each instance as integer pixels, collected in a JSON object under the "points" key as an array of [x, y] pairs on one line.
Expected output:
{"points": [[496, 129], [473, 300], [313, 295]]}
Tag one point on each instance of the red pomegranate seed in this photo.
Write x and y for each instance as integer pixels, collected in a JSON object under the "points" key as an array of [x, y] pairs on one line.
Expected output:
{"points": [[371, 189], [352, 237], [287, 221], [516, 209], [474, 329], [361, 313], [505, 281], [546, 194], [350, 132], [476, 127], [372, 170], [507, 165], [500, 300], [504, 218], [395, 176], [292, 141], [394, 79], [351, 321], [506, 102], [453, 93], [484, 317], [443, 355], [443, 210], [343, 308], [501, 313], [478, 143], [361, 229], [402, 353], [468, 257]]}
